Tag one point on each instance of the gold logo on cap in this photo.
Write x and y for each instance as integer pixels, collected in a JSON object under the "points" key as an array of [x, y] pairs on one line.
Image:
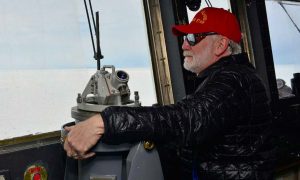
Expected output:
{"points": [[201, 19]]}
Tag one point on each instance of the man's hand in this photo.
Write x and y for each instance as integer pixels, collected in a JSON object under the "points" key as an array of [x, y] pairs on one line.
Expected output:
{"points": [[83, 136]]}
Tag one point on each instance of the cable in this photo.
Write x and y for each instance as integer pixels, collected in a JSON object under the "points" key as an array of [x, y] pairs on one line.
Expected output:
{"points": [[208, 3], [91, 33], [280, 3]]}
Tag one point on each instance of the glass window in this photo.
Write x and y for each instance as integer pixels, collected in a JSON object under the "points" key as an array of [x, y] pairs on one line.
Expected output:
{"points": [[284, 24], [47, 58], [215, 3]]}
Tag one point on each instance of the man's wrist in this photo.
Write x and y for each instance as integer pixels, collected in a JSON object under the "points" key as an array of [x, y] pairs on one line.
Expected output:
{"points": [[98, 122]]}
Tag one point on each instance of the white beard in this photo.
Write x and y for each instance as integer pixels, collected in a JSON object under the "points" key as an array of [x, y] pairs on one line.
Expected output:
{"points": [[191, 66]]}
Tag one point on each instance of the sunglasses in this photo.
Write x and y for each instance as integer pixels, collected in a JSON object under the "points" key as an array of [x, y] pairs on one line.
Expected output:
{"points": [[193, 39]]}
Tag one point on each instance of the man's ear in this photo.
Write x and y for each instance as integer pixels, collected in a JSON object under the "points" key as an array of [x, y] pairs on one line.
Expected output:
{"points": [[221, 46]]}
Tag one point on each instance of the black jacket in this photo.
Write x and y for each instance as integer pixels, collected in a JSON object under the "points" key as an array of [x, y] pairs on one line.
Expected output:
{"points": [[224, 124]]}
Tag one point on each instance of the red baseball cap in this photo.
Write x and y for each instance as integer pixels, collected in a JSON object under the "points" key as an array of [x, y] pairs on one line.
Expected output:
{"points": [[212, 19]]}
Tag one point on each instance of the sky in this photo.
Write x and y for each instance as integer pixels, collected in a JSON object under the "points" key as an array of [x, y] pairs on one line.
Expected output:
{"points": [[46, 58], [54, 34], [285, 37]]}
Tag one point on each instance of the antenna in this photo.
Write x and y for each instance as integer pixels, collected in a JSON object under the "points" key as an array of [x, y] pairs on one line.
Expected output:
{"points": [[208, 3], [97, 52]]}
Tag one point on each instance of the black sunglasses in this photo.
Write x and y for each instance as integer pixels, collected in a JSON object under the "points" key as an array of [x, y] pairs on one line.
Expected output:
{"points": [[193, 39]]}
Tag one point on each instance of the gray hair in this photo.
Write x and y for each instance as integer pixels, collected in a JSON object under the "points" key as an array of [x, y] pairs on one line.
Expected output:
{"points": [[234, 47]]}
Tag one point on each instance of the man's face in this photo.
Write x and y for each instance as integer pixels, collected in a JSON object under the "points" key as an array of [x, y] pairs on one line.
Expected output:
{"points": [[200, 56]]}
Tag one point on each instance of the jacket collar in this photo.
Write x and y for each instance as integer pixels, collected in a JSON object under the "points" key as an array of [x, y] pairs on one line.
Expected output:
{"points": [[225, 61]]}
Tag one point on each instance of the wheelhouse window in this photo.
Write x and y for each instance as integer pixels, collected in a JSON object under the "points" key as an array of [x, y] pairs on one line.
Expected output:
{"points": [[284, 27], [47, 58], [214, 3]]}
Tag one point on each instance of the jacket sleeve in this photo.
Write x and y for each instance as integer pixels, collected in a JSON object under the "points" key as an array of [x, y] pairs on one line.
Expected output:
{"points": [[198, 118]]}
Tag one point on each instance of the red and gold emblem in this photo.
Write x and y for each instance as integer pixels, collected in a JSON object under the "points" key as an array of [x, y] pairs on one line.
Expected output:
{"points": [[35, 172], [201, 19]]}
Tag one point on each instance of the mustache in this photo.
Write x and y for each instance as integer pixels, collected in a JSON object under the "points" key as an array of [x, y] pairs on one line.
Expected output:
{"points": [[187, 53]]}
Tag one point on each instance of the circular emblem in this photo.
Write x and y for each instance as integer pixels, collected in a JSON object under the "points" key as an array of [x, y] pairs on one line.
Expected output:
{"points": [[35, 172]]}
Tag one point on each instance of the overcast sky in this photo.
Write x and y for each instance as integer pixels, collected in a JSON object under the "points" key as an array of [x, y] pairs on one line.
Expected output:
{"points": [[285, 37], [54, 34]]}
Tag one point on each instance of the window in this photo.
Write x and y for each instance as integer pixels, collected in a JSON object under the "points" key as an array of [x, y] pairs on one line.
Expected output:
{"points": [[47, 58], [284, 24], [215, 3]]}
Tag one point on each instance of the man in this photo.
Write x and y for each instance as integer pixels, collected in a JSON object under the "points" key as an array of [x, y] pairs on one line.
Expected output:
{"points": [[224, 124]]}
